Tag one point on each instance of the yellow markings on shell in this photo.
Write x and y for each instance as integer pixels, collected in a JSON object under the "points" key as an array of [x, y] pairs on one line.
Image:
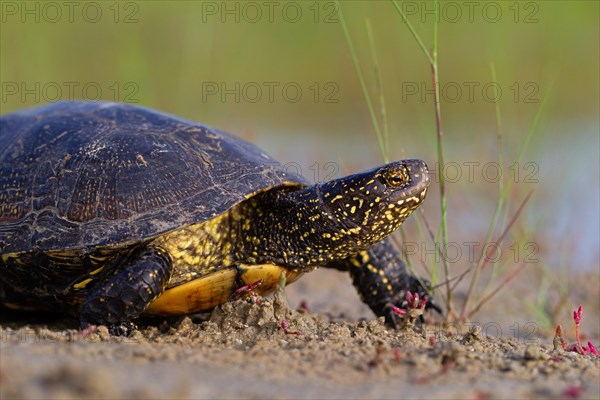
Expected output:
{"points": [[82, 284], [353, 210], [339, 196], [96, 271]]}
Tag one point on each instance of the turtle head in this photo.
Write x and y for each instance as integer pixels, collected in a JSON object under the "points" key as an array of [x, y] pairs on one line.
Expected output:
{"points": [[379, 200]]}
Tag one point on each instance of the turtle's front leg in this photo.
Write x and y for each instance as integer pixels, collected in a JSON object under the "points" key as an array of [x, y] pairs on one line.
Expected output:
{"points": [[124, 296], [382, 279]]}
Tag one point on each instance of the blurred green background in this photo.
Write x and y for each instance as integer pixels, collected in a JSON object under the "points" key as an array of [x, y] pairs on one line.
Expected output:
{"points": [[280, 74]]}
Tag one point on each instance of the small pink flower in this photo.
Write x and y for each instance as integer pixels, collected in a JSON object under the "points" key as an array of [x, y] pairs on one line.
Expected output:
{"points": [[572, 392], [249, 287], [577, 315], [413, 300], [410, 297], [398, 311], [592, 349]]}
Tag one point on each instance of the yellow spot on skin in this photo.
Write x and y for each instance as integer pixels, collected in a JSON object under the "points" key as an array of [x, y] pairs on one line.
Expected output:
{"points": [[339, 196], [353, 209], [377, 199], [82, 284], [94, 272]]}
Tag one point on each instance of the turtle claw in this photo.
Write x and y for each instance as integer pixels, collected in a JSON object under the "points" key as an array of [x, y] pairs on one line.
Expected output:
{"points": [[391, 318], [122, 329]]}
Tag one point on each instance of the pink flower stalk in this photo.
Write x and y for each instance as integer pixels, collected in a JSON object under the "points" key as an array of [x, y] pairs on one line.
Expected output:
{"points": [[398, 311], [410, 298], [593, 349], [249, 287], [423, 302], [413, 300], [577, 315]]}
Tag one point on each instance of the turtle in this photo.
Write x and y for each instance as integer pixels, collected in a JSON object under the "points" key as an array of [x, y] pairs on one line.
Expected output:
{"points": [[112, 211]]}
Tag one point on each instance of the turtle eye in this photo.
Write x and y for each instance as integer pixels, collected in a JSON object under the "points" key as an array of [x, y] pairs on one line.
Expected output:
{"points": [[396, 177]]}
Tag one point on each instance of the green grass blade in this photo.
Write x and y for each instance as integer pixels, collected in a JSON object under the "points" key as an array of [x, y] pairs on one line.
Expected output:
{"points": [[415, 34], [379, 83], [361, 79]]}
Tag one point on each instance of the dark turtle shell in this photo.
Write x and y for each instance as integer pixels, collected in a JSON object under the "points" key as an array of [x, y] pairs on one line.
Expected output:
{"points": [[82, 174]]}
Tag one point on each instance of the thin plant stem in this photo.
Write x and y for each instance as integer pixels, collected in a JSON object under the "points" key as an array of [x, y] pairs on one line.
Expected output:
{"points": [[486, 259], [499, 203], [414, 33], [440, 157], [502, 197], [379, 84], [433, 61], [361, 79], [502, 284]]}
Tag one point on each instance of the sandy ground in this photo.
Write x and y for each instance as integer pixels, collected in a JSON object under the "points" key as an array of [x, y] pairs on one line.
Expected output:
{"points": [[338, 350]]}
